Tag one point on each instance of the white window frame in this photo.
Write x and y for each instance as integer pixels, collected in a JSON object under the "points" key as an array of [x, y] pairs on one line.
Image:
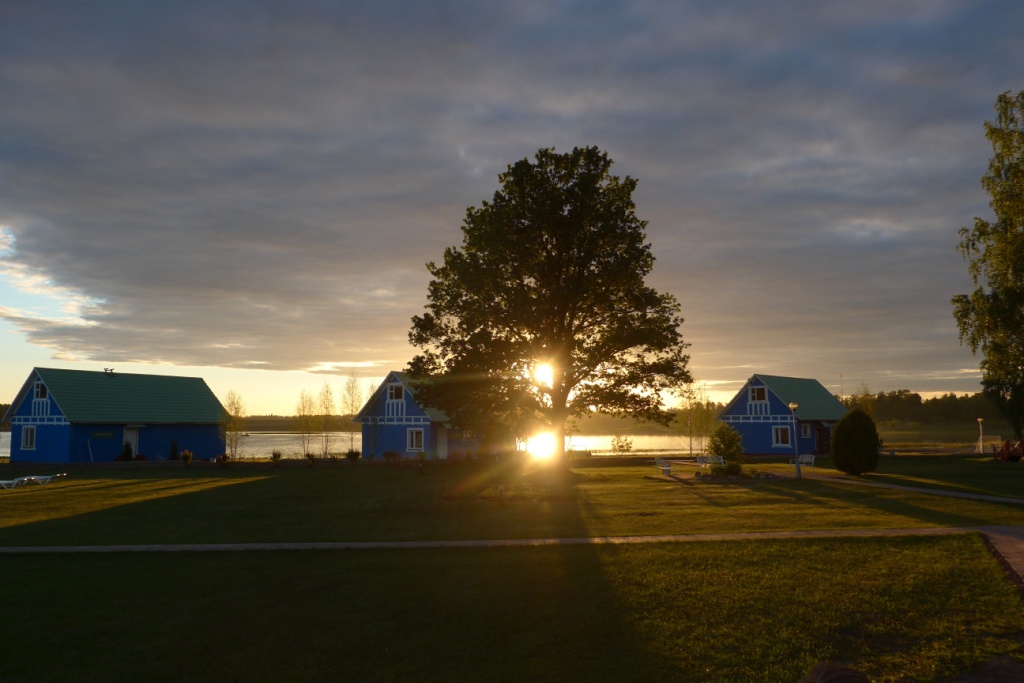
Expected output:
{"points": [[396, 392], [28, 438], [777, 432], [805, 430], [755, 391], [40, 393], [411, 439]]}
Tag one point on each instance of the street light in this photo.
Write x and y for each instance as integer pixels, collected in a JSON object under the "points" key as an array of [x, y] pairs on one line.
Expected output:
{"points": [[981, 436], [796, 440]]}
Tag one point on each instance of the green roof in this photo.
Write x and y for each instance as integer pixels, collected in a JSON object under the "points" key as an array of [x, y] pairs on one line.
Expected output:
{"points": [[815, 401], [123, 398]]}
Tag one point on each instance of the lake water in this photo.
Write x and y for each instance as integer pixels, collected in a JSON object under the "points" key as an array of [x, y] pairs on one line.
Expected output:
{"points": [[262, 444]]}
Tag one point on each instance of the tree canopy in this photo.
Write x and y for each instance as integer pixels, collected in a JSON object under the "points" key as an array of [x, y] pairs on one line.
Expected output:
{"points": [[543, 313], [991, 318]]}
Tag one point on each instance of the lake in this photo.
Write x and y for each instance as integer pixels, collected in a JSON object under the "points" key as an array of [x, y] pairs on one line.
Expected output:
{"points": [[262, 444]]}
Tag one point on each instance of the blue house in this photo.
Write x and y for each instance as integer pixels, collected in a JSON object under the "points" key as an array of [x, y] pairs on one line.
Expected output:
{"points": [[393, 421], [84, 416], [761, 413]]}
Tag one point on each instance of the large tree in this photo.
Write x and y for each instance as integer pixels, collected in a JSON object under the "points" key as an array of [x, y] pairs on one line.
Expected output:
{"points": [[543, 313], [991, 318]]}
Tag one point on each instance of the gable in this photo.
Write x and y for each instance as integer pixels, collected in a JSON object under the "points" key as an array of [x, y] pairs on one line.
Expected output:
{"points": [[375, 404], [122, 398], [815, 401]]}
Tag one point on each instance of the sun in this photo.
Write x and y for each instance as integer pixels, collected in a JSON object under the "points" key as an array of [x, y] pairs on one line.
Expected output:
{"points": [[541, 446], [544, 374]]}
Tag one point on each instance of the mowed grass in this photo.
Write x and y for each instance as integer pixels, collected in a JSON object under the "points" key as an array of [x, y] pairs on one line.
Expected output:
{"points": [[904, 608], [446, 502], [898, 609]]}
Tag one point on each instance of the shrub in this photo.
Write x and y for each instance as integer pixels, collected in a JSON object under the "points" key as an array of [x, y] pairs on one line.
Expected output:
{"points": [[621, 444], [186, 455], [727, 443], [352, 455], [126, 453], [311, 458], [275, 458], [391, 456], [855, 443]]}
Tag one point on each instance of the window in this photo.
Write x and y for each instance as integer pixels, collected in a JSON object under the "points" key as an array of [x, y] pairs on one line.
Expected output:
{"points": [[394, 392], [415, 440], [28, 438], [805, 430], [40, 390], [757, 394], [780, 436]]}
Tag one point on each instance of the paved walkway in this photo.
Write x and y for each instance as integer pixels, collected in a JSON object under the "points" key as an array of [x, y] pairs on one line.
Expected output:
{"points": [[1006, 542]]}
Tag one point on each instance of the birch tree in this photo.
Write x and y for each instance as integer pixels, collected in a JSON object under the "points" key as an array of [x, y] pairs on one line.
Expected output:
{"points": [[234, 423], [991, 318], [325, 421], [305, 421]]}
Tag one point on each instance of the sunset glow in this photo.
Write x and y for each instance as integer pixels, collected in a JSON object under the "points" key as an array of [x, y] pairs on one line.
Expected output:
{"points": [[541, 446], [544, 374]]}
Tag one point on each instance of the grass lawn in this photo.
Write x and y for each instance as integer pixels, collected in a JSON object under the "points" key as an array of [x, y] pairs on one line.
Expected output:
{"points": [[896, 608], [371, 503]]}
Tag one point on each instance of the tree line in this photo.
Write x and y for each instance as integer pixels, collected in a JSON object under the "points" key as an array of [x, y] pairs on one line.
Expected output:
{"points": [[906, 406]]}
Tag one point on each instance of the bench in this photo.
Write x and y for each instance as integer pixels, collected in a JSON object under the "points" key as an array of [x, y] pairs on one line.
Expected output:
{"points": [[32, 479], [710, 460], [664, 466], [804, 458]]}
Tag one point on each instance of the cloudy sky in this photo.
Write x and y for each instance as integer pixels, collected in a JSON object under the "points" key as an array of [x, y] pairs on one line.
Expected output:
{"points": [[249, 191]]}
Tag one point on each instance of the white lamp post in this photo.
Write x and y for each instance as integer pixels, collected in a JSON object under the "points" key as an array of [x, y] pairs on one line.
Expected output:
{"points": [[796, 439], [981, 436]]}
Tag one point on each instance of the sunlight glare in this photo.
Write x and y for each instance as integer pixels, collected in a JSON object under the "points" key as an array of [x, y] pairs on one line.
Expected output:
{"points": [[541, 446], [544, 374]]}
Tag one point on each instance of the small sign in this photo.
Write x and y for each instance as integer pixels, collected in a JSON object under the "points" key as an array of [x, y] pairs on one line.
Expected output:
{"points": [[103, 435]]}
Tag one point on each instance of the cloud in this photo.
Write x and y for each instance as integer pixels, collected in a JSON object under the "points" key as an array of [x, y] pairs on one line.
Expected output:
{"points": [[260, 185]]}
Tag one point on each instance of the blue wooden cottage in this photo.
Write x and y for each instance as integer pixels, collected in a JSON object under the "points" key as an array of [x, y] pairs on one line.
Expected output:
{"points": [[760, 412], [393, 421], [85, 416]]}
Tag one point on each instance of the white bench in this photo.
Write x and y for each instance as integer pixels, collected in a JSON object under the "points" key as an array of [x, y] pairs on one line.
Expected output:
{"points": [[664, 466], [710, 460], [805, 459], [31, 479]]}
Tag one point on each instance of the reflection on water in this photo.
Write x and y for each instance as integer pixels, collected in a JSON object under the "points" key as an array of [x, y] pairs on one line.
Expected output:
{"points": [[262, 444]]}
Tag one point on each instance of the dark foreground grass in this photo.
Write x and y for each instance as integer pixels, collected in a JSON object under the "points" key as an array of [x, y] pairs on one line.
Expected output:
{"points": [[213, 505], [923, 609]]}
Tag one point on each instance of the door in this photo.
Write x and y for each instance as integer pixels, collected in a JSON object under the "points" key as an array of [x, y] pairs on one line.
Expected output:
{"points": [[442, 442], [131, 436], [823, 442]]}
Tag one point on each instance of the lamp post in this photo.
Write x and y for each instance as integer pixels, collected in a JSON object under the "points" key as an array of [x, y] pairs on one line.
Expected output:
{"points": [[981, 436], [796, 439]]}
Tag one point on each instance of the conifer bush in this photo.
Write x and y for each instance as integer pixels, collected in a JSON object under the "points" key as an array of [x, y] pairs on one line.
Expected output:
{"points": [[855, 443]]}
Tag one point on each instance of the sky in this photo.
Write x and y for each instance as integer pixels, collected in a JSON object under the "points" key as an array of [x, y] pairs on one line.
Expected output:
{"points": [[249, 191]]}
